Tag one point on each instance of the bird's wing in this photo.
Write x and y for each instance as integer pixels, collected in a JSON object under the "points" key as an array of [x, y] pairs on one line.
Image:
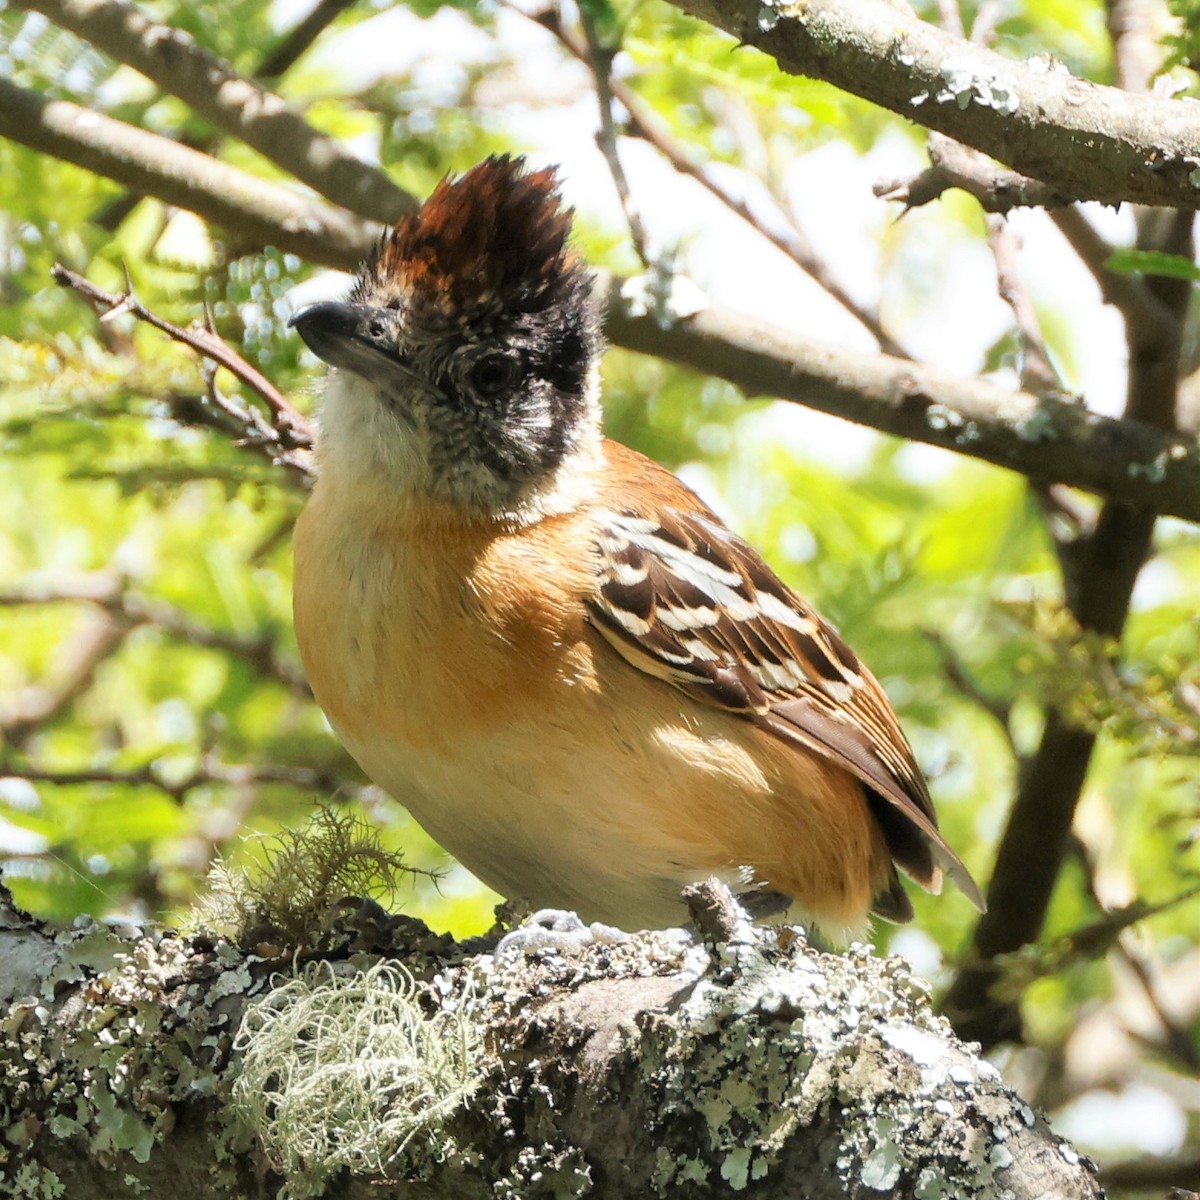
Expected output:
{"points": [[685, 600]]}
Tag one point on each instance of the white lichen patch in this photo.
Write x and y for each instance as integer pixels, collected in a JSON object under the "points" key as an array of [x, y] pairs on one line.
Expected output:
{"points": [[969, 78], [767, 18], [342, 1068], [943, 419], [667, 297]]}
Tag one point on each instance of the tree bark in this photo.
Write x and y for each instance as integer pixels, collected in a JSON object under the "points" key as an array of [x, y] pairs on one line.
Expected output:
{"points": [[1084, 140], [741, 1062]]}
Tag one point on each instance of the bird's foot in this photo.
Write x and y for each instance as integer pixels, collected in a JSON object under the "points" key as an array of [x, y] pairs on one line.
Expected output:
{"points": [[557, 929]]}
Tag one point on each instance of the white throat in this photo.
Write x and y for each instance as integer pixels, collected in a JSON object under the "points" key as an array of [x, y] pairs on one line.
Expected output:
{"points": [[367, 446]]}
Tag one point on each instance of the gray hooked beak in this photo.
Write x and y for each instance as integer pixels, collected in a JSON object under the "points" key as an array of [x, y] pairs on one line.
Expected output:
{"points": [[339, 332], [360, 338]]}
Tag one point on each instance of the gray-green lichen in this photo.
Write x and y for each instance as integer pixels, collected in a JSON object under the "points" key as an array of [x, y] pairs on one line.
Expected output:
{"points": [[1037, 426], [773, 1040], [102, 1051], [761, 1046], [1155, 471]]}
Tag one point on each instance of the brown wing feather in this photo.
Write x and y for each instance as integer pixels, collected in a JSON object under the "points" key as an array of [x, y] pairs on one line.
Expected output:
{"points": [[682, 598]]}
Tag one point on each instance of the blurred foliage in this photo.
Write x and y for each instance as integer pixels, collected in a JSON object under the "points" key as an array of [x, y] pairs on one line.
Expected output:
{"points": [[132, 770], [1184, 39]]}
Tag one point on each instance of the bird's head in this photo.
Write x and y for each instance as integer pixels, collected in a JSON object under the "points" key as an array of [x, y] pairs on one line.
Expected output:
{"points": [[465, 356]]}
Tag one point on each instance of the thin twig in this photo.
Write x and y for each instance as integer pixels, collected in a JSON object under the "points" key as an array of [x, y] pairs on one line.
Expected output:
{"points": [[599, 59], [958, 675], [203, 341], [951, 18], [793, 242], [983, 28], [288, 50], [288, 436], [208, 771], [1037, 371]]}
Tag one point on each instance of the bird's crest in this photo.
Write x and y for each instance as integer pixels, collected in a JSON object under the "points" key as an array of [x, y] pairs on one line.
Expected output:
{"points": [[493, 240]]}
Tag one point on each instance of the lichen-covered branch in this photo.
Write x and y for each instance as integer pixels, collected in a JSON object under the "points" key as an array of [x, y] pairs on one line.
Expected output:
{"points": [[1087, 141], [1049, 440], [174, 61], [745, 1064]]}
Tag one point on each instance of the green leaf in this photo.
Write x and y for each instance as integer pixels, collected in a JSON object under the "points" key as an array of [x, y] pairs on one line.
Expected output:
{"points": [[1152, 262]]}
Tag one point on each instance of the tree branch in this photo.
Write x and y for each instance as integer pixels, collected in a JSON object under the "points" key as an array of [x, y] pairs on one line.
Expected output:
{"points": [[288, 51], [174, 61], [1037, 373], [1087, 141], [1100, 570], [252, 209], [750, 1066], [953, 165], [960, 678], [1046, 439]]}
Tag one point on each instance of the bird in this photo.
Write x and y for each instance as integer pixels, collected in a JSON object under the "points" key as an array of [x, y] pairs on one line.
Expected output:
{"points": [[578, 680]]}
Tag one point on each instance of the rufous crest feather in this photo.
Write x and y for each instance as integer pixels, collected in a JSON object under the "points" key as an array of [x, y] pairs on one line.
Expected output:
{"points": [[495, 237]]}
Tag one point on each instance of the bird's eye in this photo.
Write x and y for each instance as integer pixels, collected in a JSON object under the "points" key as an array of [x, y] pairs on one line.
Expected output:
{"points": [[496, 373]]}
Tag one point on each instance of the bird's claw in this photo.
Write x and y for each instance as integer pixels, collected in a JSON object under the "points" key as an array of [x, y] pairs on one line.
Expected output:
{"points": [[558, 929]]}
